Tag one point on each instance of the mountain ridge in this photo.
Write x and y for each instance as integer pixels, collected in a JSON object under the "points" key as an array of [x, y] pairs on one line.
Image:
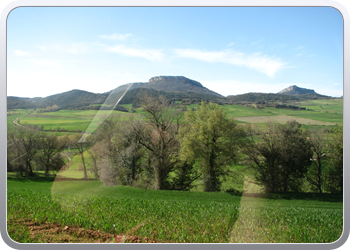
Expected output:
{"points": [[174, 88]]}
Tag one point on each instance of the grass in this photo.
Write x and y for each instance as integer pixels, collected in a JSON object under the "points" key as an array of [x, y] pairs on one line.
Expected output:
{"points": [[172, 216]]}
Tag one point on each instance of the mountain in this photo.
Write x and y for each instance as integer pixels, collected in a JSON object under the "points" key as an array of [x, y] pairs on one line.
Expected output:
{"points": [[172, 87], [175, 88], [170, 84], [295, 90]]}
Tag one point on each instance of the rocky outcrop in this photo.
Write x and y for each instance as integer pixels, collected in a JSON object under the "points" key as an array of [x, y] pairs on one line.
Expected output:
{"points": [[295, 90], [174, 79]]}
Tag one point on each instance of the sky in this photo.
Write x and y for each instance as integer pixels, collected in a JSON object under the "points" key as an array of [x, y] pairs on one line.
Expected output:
{"points": [[230, 50]]}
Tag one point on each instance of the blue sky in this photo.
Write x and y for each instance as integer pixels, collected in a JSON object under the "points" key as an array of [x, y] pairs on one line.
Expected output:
{"points": [[230, 50]]}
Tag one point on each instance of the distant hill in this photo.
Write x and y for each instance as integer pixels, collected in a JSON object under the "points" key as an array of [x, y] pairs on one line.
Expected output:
{"points": [[271, 97], [68, 100]]}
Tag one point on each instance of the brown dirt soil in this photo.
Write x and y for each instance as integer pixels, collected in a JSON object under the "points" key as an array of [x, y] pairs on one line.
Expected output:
{"points": [[45, 232]]}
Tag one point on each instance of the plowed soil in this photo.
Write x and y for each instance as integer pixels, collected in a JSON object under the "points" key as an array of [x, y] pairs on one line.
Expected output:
{"points": [[56, 233]]}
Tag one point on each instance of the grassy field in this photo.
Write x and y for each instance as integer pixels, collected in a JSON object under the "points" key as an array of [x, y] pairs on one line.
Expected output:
{"points": [[166, 216], [323, 113], [71, 120]]}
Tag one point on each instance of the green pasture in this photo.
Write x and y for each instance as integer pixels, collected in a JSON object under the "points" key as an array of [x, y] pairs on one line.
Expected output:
{"points": [[238, 111], [173, 216], [314, 115]]}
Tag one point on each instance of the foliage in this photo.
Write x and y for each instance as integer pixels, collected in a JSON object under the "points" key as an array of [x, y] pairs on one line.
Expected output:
{"points": [[336, 159], [281, 157], [211, 139]]}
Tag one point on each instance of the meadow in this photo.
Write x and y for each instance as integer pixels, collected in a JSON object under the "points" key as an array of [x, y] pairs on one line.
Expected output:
{"points": [[128, 213]]}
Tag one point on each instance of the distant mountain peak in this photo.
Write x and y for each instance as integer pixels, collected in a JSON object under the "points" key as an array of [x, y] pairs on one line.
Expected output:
{"points": [[295, 90], [175, 79]]}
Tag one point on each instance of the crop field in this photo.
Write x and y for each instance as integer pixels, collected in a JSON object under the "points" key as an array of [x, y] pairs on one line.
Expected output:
{"points": [[238, 111], [123, 214], [282, 119], [71, 120], [314, 115]]}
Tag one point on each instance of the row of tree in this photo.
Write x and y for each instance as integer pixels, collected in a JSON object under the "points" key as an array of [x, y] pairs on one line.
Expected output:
{"points": [[168, 148], [29, 149]]}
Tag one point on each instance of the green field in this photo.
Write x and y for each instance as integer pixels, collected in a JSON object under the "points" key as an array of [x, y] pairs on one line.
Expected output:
{"points": [[71, 120], [168, 216], [323, 112]]}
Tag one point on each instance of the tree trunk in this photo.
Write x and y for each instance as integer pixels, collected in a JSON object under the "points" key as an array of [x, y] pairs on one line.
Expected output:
{"points": [[85, 173]]}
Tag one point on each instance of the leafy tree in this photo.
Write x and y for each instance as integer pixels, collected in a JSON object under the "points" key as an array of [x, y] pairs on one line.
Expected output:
{"points": [[185, 175], [295, 155], [212, 140], [336, 159], [281, 157]]}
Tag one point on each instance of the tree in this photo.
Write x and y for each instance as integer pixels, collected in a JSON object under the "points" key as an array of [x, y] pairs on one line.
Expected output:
{"points": [[336, 159], [81, 147], [212, 140], [316, 171], [30, 139], [116, 152], [157, 136], [50, 153], [281, 157]]}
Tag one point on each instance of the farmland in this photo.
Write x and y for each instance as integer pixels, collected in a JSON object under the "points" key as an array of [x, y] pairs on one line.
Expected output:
{"points": [[322, 112], [167, 216]]}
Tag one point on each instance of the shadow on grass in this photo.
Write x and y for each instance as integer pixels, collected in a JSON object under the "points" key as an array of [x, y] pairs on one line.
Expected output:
{"points": [[294, 196]]}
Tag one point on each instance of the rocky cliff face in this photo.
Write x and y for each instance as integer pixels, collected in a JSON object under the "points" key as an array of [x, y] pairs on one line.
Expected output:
{"points": [[173, 79], [295, 90]]}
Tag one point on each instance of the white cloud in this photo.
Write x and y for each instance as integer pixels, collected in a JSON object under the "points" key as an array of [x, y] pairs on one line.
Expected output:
{"points": [[21, 53], [46, 63], [116, 36], [149, 54], [257, 61]]}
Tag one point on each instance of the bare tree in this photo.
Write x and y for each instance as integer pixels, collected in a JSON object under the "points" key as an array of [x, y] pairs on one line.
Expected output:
{"points": [[316, 171], [81, 147], [50, 153], [158, 138]]}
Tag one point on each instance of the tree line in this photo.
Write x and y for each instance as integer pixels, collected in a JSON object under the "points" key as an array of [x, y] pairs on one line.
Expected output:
{"points": [[167, 148]]}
